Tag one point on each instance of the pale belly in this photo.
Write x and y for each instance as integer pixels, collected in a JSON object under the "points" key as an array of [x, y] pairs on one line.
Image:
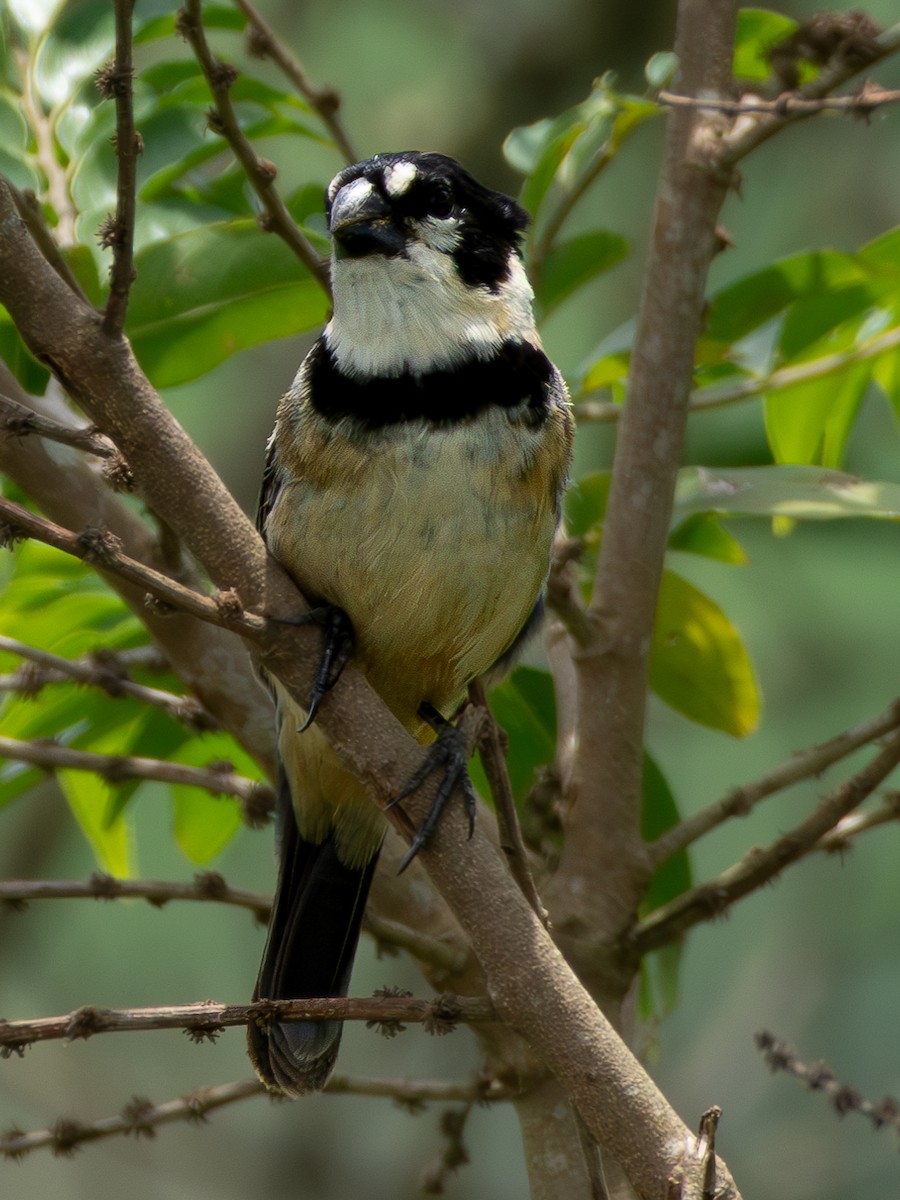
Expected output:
{"points": [[435, 550]]}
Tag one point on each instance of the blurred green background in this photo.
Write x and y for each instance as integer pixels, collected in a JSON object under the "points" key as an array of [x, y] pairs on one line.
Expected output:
{"points": [[815, 958]]}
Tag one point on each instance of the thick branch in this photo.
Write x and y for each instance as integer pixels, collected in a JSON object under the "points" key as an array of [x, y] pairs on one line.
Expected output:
{"points": [[603, 820], [758, 867], [260, 173], [266, 43], [207, 1019], [741, 801], [256, 798]]}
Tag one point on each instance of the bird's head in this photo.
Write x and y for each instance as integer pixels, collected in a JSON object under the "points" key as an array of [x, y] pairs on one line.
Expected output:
{"points": [[426, 266]]}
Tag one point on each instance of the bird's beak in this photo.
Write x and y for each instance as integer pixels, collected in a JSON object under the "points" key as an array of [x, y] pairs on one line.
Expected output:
{"points": [[361, 224]]}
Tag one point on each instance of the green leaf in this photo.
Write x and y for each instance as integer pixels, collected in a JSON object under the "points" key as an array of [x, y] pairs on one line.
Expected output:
{"points": [[13, 351], [660, 971], [585, 503], [758, 30], [797, 492], [608, 371], [525, 706], [660, 68], [659, 813], [704, 534], [88, 797], [203, 824], [810, 422], [80, 40], [560, 150], [751, 302], [202, 295], [698, 663], [574, 262], [214, 17]]}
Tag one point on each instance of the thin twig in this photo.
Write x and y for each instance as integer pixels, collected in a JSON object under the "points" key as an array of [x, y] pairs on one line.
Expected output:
{"points": [[759, 866], [207, 1019], [207, 887], [265, 43], [751, 130], [97, 672], [820, 1078], [720, 395], [741, 801], [493, 759], [101, 549], [847, 830], [20, 421], [261, 174], [257, 799], [140, 1118], [117, 81], [869, 97]]}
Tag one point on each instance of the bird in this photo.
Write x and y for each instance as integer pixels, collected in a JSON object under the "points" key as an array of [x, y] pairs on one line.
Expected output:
{"points": [[412, 489]]}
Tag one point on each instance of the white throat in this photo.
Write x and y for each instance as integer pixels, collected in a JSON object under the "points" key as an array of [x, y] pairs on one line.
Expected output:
{"points": [[415, 313]]}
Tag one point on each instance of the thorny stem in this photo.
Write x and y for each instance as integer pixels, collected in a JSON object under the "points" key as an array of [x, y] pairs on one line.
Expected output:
{"points": [[119, 84], [261, 175], [326, 101], [256, 798]]}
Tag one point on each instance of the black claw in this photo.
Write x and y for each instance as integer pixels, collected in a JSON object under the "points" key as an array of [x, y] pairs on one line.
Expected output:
{"points": [[337, 653], [450, 755]]}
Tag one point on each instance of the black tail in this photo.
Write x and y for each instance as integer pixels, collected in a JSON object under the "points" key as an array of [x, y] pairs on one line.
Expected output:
{"points": [[309, 952]]}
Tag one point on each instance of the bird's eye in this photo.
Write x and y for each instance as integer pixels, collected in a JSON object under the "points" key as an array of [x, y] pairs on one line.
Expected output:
{"points": [[440, 200]]}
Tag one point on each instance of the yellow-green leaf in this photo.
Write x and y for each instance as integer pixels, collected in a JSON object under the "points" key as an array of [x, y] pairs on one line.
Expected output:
{"points": [[698, 662]]}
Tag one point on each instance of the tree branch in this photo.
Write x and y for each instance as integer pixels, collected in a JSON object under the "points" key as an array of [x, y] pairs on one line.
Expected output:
{"points": [[741, 801], [848, 829], [752, 130], [820, 1078], [117, 82], [720, 395], [102, 672], [869, 97], [261, 174], [212, 662], [265, 43], [206, 1020], [493, 760], [208, 886], [257, 799], [602, 814], [534, 991], [758, 867], [31, 213], [20, 421], [101, 548], [141, 1118]]}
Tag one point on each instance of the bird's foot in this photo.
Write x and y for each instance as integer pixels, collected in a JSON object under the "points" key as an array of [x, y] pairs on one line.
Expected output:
{"points": [[336, 654], [449, 754]]}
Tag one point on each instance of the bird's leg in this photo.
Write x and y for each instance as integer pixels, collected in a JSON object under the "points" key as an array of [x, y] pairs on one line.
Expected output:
{"points": [[336, 654], [449, 754]]}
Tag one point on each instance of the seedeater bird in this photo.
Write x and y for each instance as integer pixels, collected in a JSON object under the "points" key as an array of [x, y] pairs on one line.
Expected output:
{"points": [[413, 490]]}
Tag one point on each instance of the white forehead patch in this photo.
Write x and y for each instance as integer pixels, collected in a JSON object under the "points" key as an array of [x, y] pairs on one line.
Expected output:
{"points": [[398, 178]]}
